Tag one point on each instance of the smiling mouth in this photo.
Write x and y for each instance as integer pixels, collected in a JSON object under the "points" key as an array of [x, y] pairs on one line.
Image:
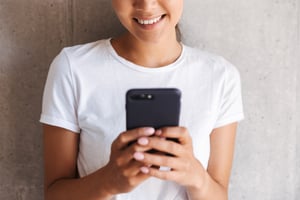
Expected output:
{"points": [[149, 21]]}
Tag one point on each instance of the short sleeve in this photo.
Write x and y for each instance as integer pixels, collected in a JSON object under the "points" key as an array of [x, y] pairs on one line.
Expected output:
{"points": [[59, 102], [230, 107]]}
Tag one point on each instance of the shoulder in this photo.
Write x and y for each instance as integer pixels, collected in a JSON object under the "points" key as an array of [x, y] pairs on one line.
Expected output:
{"points": [[86, 50], [80, 56], [216, 64]]}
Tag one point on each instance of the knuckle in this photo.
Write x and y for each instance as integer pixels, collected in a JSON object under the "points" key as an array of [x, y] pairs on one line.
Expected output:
{"points": [[184, 130], [122, 138], [171, 147], [164, 175], [168, 161], [124, 173], [135, 148], [119, 162], [153, 172], [131, 182]]}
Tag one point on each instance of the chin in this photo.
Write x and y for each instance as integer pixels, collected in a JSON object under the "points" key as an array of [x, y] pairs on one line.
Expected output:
{"points": [[152, 38]]}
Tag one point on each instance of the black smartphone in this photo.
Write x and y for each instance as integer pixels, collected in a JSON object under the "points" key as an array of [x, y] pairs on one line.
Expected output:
{"points": [[154, 107]]}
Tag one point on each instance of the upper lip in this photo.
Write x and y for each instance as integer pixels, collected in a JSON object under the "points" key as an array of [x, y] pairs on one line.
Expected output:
{"points": [[147, 17]]}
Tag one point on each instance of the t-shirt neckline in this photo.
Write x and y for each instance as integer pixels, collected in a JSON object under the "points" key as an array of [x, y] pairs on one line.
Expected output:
{"points": [[140, 68]]}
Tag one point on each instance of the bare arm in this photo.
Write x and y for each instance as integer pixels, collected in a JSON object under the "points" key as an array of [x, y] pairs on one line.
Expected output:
{"points": [[61, 179], [201, 184], [60, 157], [216, 178]]}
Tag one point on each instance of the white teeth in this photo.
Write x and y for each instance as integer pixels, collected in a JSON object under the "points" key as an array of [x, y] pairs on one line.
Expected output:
{"points": [[150, 21]]}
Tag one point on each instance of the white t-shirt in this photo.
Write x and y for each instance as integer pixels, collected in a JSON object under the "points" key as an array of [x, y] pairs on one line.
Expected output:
{"points": [[85, 93]]}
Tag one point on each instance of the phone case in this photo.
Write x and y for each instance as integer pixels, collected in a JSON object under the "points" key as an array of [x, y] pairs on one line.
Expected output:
{"points": [[155, 107]]}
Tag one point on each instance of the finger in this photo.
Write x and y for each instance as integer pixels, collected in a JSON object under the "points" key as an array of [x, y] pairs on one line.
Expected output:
{"points": [[126, 155], [132, 169], [161, 174], [180, 133], [158, 160], [129, 136], [166, 146]]}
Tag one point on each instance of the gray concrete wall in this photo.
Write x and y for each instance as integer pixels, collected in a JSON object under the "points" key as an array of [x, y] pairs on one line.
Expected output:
{"points": [[261, 37]]}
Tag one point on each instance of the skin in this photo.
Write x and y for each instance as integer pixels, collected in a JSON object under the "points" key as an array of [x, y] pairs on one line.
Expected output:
{"points": [[148, 46]]}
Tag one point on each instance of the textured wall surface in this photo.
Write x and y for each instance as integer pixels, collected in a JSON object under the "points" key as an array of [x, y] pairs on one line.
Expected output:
{"points": [[261, 37]]}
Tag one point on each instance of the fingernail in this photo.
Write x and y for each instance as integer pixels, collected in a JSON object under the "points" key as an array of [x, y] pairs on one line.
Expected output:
{"points": [[158, 132], [143, 141], [145, 170], [149, 131], [138, 156]]}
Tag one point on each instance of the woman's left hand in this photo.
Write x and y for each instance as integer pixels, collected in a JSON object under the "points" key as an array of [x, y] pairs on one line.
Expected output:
{"points": [[185, 169]]}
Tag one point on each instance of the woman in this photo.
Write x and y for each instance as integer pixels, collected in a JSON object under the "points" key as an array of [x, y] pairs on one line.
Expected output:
{"points": [[87, 155]]}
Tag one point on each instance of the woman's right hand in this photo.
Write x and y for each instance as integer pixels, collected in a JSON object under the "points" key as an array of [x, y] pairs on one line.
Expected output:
{"points": [[123, 171]]}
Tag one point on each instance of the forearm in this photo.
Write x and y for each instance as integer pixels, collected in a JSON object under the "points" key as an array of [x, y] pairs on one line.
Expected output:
{"points": [[91, 187], [209, 190]]}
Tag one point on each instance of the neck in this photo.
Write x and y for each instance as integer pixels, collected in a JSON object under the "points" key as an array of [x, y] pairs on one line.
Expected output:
{"points": [[147, 53]]}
